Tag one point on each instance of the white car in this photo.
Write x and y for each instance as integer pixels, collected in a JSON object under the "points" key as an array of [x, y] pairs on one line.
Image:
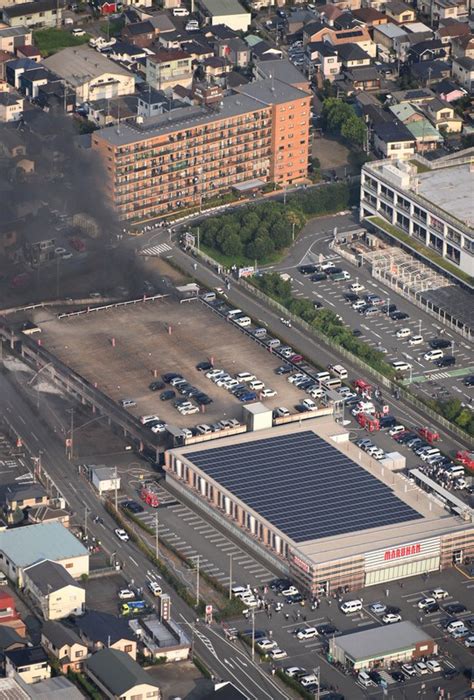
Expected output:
{"points": [[292, 590], [408, 670], [326, 266], [266, 644], [296, 377], [231, 383], [390, 618], [439, 594], [307, 633], [469, 642], [421, 668], [401, 366], [357, 287], [190, 410], [159, 428], [434, 666], [268, 393], [155, 588], [282, 412], [121, 534], [78, 32], [126, 594], [293, 671], [278, 654], [403, 333], [415, 340], [203, 429], [214, 373], [396, 430], [378, 608], [60, 252], [425, 602], [309, 404]]}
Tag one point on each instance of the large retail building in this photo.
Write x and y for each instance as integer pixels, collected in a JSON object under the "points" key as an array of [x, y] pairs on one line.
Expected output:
{"points": [[310, 501], [434, 207], [258, 135]]}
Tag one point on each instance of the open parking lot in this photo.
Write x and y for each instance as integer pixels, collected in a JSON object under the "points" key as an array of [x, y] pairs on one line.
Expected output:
{"points": [[453, 656], [122, 351]]}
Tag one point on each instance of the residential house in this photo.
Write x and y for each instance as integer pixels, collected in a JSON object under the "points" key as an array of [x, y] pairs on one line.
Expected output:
{"points": [[449, 9], [57, 688], [463, 72], [348, 4], [105, 478], [352, 56], [363, 78], [449, 91], [205, 93], [443, 116], [430, 72], [37, 14], [5, 58], [215, 67], [264, 51], [429, 50], [462, 46], [9, 615], [28, 51], [9, 640], [119, 677], [54, 591], [99, 630], [11, 38], [24, 546], [393, 140], [384, 37], [416, 96], [295, 21], [128, 55], [169, 67], [315, 31], [65, 645], [427, 137], [451, 30], [370, 17], [31, 81], [16, 498], [15, 68], [141, 34], [30, 663], [115, 111], [45, 514], [11, 106], [171, 4], [321, 59], [235, 50], [90, 74], [400, 12], [151, 101], [359, 36], [229, 12], [282, 70], [326, 14]]}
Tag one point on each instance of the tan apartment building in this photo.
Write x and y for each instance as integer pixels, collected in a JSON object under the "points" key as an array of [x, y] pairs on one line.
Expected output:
{"points": [[258, 135]]}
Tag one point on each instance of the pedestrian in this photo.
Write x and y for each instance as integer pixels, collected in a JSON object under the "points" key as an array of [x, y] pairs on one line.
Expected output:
{"points": [[287, 617]]}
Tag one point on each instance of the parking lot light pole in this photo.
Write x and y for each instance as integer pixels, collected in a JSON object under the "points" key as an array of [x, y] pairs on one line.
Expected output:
{"points": [[230, 575], [253, 634], [157, 546]]}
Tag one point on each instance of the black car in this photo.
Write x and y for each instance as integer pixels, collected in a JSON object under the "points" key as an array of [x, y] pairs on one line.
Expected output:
{"points": [[307, 269], [284, 369], [280, 584], [388, 308], [403, 439], [356, 333], [167, 395], [351, 296], [132, 506], [469, 381], [258, 634], [450, 673], [392, 610], [446, 361], [387, 421], [292, 599], [203, 366], [327, 630], [169, 376], [375, 677], [399, 316], [455, 608], [203, 399], [156, 386], [318, 277], [398, 676], [439, 343], [317, 305]]}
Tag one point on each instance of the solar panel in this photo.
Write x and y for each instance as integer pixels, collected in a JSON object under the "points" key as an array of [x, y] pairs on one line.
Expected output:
{"points": [[303, 486]]}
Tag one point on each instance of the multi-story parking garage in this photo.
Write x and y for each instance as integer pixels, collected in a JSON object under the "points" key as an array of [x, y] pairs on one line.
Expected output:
{"points": [[307, 497]]}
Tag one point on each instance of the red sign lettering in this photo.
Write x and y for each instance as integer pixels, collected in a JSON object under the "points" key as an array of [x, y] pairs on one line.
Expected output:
{"points": [[400, 552]]}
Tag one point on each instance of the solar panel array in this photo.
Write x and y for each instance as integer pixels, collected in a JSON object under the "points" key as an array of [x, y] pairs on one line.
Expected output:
{"points": [[303, 486]]}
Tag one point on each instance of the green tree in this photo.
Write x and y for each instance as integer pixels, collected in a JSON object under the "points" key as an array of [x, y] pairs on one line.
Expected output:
{"points": [[232, 245], [353, 130]]}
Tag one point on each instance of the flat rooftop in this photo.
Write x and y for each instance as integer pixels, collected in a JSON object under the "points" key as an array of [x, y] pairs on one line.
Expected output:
{"points": [[388, 639], [450, 189], [330, 498]]}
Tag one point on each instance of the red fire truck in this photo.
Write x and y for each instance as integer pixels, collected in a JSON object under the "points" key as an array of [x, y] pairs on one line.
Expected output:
{"points": [[149, 494], [466, 458], [428, 435], [363, 388], [368, 421]]}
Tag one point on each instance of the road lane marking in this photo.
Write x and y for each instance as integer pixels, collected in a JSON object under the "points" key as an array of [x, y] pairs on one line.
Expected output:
{"points": [[133, 560]]}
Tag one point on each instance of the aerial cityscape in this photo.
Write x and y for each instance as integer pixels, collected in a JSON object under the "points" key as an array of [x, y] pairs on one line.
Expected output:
{"points": [[236, 350]]}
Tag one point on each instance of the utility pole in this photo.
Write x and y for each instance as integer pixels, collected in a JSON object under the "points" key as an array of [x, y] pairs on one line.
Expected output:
{"points": [[116, 490], [293, 231], [71, 433], [197, 579], [86, 513], [230, 575], [157, 550], [198, 237], [253, 634]]}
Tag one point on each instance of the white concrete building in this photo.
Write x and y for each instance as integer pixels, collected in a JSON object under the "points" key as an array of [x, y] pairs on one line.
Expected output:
{"points": [[228, 12], [435, 208]]}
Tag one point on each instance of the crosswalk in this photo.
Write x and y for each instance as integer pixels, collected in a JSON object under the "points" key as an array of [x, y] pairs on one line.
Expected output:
{"points": [[155, 249]]}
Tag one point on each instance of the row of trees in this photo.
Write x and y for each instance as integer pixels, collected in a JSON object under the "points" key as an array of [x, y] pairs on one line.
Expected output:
{"points": [[260, 231], [340, 119], [454, 411], [322, 320]]}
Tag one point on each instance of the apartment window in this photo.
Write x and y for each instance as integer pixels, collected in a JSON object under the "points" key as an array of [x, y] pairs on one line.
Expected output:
{"points": [[419, 213], [403, 221], [385, 209], [403, 203], [453, 235], [128, 648], [79, 654], [419, 232], [69, 565], [436, 224], [453, 254], [386, 192], [436, 243]]}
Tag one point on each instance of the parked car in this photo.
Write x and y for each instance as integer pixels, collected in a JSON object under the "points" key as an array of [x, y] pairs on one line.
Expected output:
{"points": [[121, 534]]}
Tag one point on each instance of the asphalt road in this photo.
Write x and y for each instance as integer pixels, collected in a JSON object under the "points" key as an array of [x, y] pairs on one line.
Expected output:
{"points": [[380, 331], [225, 660]]}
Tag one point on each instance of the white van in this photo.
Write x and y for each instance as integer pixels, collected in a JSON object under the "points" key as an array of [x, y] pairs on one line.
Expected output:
{"points": [[180, 12], [364, 679], [401, 366], [322, 376], [243, 321], [234, 312], [273, 343], [351, 606], [256, 385], [357, 287], [433, 355], [339, 371], [333, 383], [455, 625], [209, 296], [245, 377]]}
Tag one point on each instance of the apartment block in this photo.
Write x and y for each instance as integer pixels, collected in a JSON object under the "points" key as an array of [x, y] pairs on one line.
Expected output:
{"points": [[433, 207], [258, 135]]}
